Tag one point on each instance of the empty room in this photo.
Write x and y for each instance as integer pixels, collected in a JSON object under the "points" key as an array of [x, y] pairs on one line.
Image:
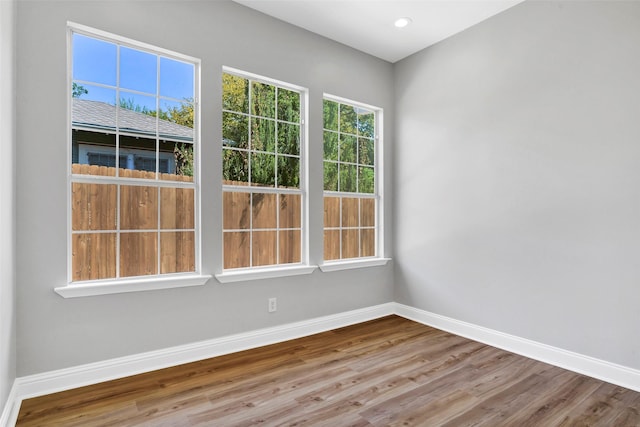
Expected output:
{"points": [[319, 212]]}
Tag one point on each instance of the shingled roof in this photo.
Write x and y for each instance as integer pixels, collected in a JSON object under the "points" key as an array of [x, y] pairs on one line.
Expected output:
{"points": [[102, 116]]}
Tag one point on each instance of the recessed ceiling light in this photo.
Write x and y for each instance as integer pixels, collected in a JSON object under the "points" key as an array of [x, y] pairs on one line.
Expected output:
{"points": [[402, 22]]}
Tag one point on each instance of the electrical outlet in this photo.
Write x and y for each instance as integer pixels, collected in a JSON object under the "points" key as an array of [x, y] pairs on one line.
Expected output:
{"points": [[272, 305]]}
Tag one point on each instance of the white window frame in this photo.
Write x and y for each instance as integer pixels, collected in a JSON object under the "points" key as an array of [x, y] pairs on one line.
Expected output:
{"points": [[276, 270], [137, 283], [378, 259]]}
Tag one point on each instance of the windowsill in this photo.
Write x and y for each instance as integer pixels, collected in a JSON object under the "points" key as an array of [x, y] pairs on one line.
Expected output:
{"points": [[264, 273], [353, 263], [131, 285]]}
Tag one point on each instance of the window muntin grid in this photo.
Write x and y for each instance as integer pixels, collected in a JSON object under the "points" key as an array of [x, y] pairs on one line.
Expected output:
{"points": [[262, 151], [133, 155], [351, 199]]}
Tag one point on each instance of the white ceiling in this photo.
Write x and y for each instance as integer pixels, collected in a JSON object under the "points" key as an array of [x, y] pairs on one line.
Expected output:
{"points": [[367, 25]]}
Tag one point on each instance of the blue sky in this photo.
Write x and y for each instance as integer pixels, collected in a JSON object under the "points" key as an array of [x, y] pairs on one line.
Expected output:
{"points": [[95, 61]]}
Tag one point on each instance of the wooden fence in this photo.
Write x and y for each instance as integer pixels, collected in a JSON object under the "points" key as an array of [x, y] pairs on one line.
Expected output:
{"points": [[150, 241], [157, 227]]}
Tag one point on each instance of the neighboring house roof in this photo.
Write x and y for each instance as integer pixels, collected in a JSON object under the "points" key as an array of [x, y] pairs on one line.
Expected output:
{"points": [[102, 116]]}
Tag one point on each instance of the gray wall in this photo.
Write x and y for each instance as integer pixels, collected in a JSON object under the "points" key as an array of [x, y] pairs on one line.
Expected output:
{"points": [[516, 185], [7, 197], [55, 332]]}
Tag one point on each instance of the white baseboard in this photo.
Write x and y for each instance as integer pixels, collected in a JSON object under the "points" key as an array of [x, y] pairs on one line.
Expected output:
{"points": [[11, 408], [93, 373], [592, 367]]}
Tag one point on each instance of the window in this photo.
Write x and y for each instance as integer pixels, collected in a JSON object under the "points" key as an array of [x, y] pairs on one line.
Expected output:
{"points": [[133, 160], [262, 152], [351, 180]]}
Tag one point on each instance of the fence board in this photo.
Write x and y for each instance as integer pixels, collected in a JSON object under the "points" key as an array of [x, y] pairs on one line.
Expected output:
{"points": [[236, 249], [93, 256], [177, 252], [290, 210], [290, 246], [94, 208], [177, 208], [138, 254], [264, 248], [138, 207]]}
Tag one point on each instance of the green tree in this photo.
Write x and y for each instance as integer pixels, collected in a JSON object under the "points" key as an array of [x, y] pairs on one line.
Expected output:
{"points": [[259, 132], [78, 90]]}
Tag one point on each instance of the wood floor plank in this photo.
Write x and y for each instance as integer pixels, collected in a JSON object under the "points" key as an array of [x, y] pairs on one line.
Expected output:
{"points": [[385, 372]]}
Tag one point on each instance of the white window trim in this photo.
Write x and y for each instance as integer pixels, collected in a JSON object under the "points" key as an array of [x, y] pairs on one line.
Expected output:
{"points": [[258, 273], [138, 283], [379, 259], [351, 263], [278, 270]]}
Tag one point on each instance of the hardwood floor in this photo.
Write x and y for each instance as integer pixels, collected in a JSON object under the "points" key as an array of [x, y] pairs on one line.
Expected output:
{"points": [[386, 372]]}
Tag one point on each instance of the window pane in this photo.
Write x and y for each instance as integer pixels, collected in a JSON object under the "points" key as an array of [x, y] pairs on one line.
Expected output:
{"points": [[138, 157], [290, 210], [177, 252], [235, 167], [367, 212], [263, 169], [106, 116], [368, 242], [348, 148], [235, 130], [94, 60], [350, 214], [93, 120], [176, 161], [348, 179], [235, 93], [263, 100], [137, 114], [349, 167], [137, 118], [132, 117], [366, 124], [263, 135], [348, 119], [237, 246], [350, 243], [176, 120], [365, 151], [366, 180], [138, 70], [331, 244], [330, 145], [288, 139], [330, 176], [177, 208], [93, 206], [288, 172], [93, 153], [93, 256], [330, 115], [288, 105], [138, 254], [236, 210], [176, 79], [264, 210], [290, 244], [264, 248], [271, 116], [138, 207], [332, 212]]}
